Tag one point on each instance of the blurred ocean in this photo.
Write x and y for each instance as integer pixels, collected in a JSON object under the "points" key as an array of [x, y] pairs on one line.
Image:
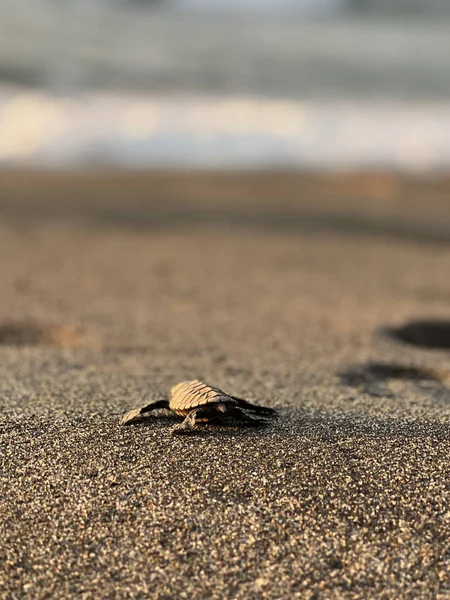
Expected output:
{"points": [[302, 83]]}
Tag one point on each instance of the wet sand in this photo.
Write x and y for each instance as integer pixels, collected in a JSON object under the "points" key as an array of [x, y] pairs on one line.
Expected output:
{"points": [[114, 288]]}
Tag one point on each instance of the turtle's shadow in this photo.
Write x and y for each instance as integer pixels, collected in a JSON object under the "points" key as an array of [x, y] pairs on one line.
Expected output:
{"points": [[164, 419], [228, 426]]}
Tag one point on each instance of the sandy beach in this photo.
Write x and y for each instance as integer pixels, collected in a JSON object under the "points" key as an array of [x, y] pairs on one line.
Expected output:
{"points": [[279, 288]]}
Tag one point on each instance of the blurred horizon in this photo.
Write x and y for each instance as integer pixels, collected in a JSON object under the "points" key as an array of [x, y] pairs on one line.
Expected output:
{"points": [[220, 83]]}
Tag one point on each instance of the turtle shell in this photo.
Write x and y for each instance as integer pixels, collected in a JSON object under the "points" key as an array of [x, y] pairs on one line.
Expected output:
{"points": [[191, 394]]}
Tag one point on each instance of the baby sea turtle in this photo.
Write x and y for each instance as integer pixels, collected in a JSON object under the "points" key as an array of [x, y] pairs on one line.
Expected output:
{"points": [[202, 403]]}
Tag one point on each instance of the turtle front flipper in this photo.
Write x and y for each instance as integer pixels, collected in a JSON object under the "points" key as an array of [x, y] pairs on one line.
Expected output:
{"points": [[132, 415], [202, 414], [260, 410]]}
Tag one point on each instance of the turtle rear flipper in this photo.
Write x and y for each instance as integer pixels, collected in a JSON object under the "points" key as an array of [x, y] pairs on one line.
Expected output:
{"points": [[132, 416], [260, 410], [237, 413]]}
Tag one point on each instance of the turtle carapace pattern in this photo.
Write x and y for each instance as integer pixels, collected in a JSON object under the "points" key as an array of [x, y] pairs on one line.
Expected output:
{"points": [[200, 403]]}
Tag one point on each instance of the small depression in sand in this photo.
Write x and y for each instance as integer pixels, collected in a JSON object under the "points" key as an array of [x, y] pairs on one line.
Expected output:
{"points": [[28, 333], [424, 334], [384, 371], [379, 379]]}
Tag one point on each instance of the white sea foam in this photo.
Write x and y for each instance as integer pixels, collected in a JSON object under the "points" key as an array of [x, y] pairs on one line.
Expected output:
{"points": [[131, 130]]}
